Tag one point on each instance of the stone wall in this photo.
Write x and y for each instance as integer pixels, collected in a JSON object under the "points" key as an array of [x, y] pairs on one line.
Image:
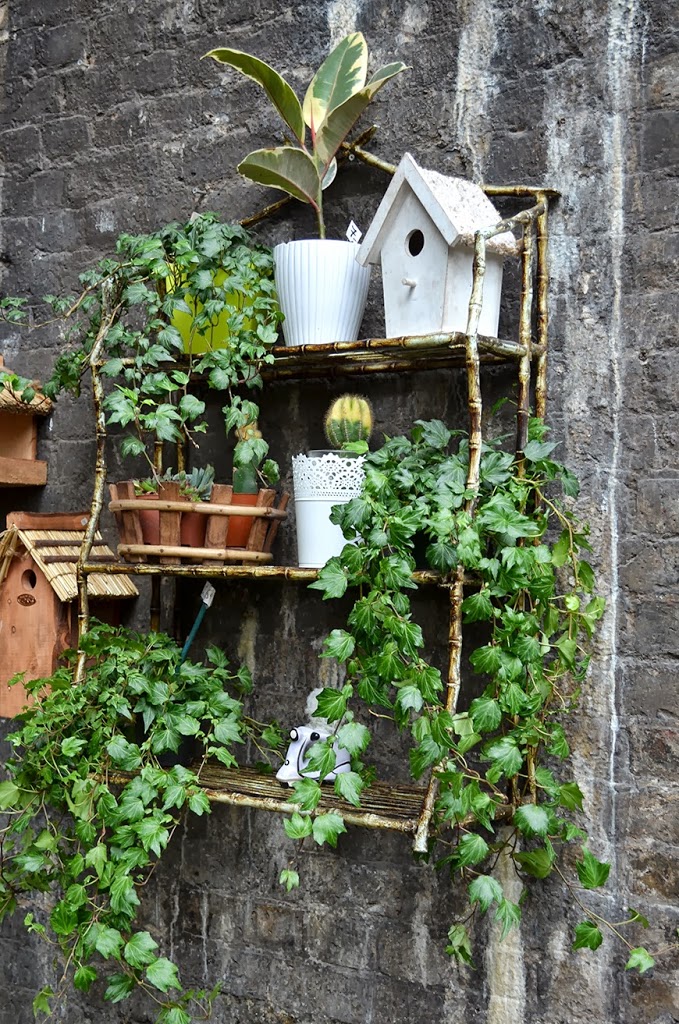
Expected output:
{"points": [[109, 122]]}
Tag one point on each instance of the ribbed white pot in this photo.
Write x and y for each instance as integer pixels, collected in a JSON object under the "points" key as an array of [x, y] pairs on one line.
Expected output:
{"points": [[322, 290], [320, 481]]}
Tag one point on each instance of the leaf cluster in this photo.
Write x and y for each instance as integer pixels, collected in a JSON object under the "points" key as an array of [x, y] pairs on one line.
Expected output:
{"points": [[523, 556], [213, 272], [93, 796]]}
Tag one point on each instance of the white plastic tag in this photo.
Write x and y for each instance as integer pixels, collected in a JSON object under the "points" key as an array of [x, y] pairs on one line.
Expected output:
{"points": [[354, 233]]}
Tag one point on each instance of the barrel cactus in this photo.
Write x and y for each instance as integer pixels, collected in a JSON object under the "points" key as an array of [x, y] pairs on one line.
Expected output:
{"points": [[349, 418]]}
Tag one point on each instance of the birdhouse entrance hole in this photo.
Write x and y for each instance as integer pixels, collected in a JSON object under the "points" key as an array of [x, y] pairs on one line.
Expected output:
{"points": [[415, 242], [28, 580]]}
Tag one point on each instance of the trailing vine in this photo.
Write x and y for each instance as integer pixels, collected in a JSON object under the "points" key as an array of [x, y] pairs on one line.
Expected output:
{"points": [[215, 277], [81, 829], [522, 555]]}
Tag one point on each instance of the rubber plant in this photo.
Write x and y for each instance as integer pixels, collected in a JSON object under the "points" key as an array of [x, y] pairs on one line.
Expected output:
{"points": [[204, 272], [92, 800], [503, 760], [337, 96]]}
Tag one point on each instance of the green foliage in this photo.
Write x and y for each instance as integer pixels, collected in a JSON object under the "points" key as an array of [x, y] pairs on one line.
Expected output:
{"points": [[83, 831], [335, 99], [521, 551], [212, 273]]}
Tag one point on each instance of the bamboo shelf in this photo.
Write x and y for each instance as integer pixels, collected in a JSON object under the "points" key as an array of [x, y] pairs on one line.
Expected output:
{"points": [[406, 809], [390, 355]]}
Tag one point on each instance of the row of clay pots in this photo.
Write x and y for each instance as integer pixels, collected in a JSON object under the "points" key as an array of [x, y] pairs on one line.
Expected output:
{"points": [[193, 524]]}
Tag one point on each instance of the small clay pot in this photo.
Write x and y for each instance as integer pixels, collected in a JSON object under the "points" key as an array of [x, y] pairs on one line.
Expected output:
{"points": [[192, 529], [149, 520], [240, 526]]}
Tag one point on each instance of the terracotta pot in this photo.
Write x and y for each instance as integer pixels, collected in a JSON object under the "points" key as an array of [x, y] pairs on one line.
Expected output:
{"points": [[192, 529], [149, 520], [240, 526]]}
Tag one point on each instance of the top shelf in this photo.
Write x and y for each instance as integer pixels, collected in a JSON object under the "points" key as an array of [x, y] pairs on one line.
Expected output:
{"points": [[389, 355]]}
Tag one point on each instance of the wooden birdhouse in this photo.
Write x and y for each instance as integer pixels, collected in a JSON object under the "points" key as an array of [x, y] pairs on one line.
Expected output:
{"points": [[19, 466], [38, 613], [423, 235]]}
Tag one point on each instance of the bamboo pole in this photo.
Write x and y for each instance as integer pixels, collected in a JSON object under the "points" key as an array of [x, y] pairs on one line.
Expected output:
{"points": [[525, 335], [107, 321], [454, 680], [542, 307]]}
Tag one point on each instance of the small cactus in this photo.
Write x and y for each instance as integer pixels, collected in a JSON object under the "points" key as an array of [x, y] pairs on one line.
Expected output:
{"points": [[349, 418]]}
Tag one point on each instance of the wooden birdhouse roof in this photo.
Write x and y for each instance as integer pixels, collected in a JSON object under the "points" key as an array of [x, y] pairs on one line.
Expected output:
{"points": [[457, 207], [11, 400], [55, 552]]}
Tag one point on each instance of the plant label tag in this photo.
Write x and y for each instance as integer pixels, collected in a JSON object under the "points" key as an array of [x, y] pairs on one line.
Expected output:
{"points": [[354, 233]]}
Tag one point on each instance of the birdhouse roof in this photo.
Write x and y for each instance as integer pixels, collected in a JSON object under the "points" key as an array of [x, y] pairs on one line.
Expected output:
{"points": [[11, 400], [457, 207], [55, 553]]}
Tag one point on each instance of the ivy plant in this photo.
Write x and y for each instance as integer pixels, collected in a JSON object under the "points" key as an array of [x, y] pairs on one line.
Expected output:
{"points": [[504, 758], [185, 279], [94, 794]]}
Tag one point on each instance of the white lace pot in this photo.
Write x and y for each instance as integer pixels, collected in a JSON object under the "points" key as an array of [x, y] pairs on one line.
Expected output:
{"points": [[322, 290], [321, 480]]}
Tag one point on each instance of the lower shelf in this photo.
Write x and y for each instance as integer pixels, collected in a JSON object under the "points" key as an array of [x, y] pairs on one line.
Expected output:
{"points": [[242, 572], [395, 808]]}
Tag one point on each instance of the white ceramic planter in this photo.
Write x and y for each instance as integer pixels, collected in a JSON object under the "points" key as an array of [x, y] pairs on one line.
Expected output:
{"points": [[322, 290], [320, 481]]}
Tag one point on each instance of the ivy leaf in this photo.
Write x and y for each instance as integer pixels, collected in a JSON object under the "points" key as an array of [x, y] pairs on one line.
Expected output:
{"points": [[199, 803], [486, 659], [173, 1015], [537, 863], [332, 580], [485, 714], [354, 737], [509, 915], [471, 849], [119, 988], [532, 820], [592, 873], [536, 451], [426, 753], [332, 704], [484, 890], [108, 941], [339, 644], [459, 945], [349, 786], [63, 919], [139, 951], [41, 1001], [123, 896], [478, 607], [587, 936], [570, 796], [83, 978], [124, 754], [162, 974], [297, 827], [409, 698], [641, 959], [71, 746], [289, 878], [307, 794], [637, 917], [328, 827], [9, 797], [505, 755]]}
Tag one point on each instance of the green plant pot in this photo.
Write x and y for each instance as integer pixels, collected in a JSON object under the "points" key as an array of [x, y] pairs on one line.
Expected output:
{"points": [[218, 334]]}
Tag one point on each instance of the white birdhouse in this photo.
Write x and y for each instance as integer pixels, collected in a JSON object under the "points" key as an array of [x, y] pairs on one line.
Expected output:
{"points": [[423, 235]]}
